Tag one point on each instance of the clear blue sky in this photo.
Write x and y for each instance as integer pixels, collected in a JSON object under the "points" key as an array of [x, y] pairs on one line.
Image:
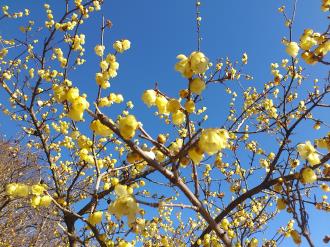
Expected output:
{"points": [[160, 30]]}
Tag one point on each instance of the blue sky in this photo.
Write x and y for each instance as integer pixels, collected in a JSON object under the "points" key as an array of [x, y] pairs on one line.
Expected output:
{"points": [[160, 30]]}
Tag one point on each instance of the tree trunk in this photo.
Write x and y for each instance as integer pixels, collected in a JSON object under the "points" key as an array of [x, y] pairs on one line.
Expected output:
{"points": [[69, 221]]}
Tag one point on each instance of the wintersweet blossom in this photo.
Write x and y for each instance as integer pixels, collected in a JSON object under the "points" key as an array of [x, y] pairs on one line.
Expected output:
{"points": [[213, 140], [308, 152], [95, 218], [292, 49], [125, 204], [122, 45], [99, 50], [195, 154], [173, 105], [178, 117], [149, 97], [308, 175], [100, 129], [196, 63], [17, 190], [161, 103], [197, 86], [128, 126]]}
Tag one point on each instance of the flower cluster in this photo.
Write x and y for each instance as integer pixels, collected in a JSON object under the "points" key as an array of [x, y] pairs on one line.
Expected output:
{"points": [[58, 53], [109, 68], [149, 97], [36, 191], [211, 141], [99, 50], [308, 175], [50, 22], [308, 40], [308, 152], [127, 126], [124, 204], [166, 106], [325, 5], [196, 63], [78, 105], [17, 190], [77, 42], [68, 25], [292, 49], [197, 86], [122, 45], [324, 143], [112, 98], [95, 218], [100, 129]]}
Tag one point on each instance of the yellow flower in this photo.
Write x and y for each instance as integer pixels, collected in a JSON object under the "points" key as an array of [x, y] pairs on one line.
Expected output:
{"points": [[173, 105], [281, 9], [161, 138], [197, 86], [122, 45], [118, 46], [190, 106], [37, 189], [22, 190], [45, 201], [118, 99], [308, 175], [178, 117], [196, 154], [76, 115], [244, 58], [292, 49], [307, 40], [183, 66], [127, 126], [31, 73], [35, 201], [100, 129], [124, 204], [7, 75], [324, 142], [294, 163], [253, 242], [198, 62], [213, 140], [309, 57], [123, 243], [11, 189], [308, 152], [59, 93], [72, 94], [281, 204], [161, 103], [325, 187], [99, 49], [317, 126], [126, 44], [104, 65], [325, 5], [149, 97], [80, 104], [95, 218], [225, 224], [17, 190], [104, 102], [296, 237]]}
